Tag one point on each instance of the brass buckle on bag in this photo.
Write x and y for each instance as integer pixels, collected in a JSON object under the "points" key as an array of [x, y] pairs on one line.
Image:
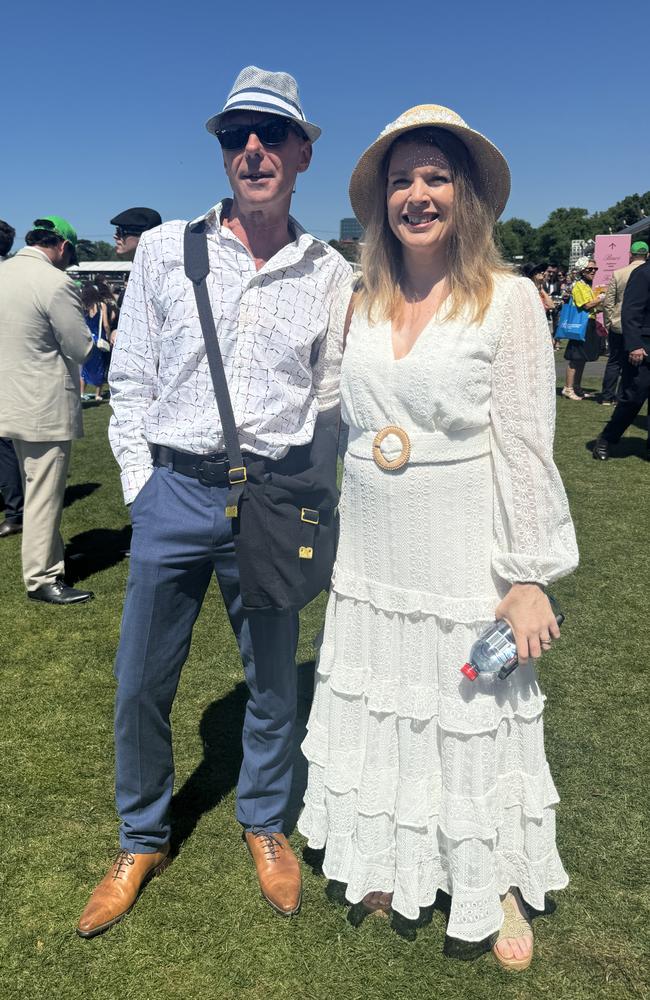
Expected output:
{"points": [[234, 479], [309, 516], [391, 465], [305, 552]]}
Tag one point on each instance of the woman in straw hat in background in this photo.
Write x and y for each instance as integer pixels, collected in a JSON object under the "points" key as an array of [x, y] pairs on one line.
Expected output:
{"points": [[452, 512]]}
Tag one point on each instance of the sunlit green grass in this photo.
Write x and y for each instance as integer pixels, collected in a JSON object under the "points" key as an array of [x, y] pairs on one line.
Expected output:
{"points": [[202, 930]]}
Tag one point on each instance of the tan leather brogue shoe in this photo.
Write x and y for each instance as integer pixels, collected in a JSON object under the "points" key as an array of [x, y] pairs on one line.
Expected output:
{"points": [[278, 870], [118, 891]]}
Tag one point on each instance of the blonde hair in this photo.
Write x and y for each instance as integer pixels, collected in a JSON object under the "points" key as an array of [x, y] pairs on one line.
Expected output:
{"points": [[473, 257]]}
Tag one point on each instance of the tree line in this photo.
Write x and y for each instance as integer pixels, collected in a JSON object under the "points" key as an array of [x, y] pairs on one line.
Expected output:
{"points": [[551, 242]]}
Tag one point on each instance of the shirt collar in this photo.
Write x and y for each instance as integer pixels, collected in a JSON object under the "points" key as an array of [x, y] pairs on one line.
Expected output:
{"points": [[289, 254]]}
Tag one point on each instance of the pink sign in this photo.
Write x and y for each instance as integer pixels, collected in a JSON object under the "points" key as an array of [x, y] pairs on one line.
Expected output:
{"points": [[612, 253]]}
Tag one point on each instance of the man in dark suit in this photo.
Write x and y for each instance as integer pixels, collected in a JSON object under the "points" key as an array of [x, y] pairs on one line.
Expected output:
{"points": [[635, 387], [11, 485]]}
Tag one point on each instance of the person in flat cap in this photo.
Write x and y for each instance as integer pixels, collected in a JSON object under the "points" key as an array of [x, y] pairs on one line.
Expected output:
{"points": [[612, 306], [129, 227], [277, 300]]}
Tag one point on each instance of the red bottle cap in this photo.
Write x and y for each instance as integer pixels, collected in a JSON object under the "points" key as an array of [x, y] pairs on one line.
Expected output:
{"points": [[469, 671]]}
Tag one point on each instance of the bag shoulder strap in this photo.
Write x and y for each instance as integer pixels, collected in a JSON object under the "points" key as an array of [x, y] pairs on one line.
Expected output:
{"points": [[197, 268]]}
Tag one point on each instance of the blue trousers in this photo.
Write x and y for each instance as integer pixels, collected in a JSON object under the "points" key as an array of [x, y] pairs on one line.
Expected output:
{"points": [[180, 536]]}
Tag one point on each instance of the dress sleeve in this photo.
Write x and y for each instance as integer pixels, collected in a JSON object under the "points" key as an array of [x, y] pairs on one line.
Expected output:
{"points": [[534, 536]]}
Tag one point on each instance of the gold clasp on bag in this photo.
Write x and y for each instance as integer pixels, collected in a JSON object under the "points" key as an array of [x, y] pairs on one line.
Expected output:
{"points": [[309, 516], [305, 552], [391, 465], [237, 475], [231, 511]]}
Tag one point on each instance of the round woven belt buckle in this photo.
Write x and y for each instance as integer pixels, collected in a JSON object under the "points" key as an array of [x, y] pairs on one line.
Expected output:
{"points": [[391, 464]]}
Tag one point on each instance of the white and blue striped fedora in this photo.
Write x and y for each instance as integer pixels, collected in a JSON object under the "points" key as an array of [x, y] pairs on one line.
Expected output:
{"points": [[260, 90]]}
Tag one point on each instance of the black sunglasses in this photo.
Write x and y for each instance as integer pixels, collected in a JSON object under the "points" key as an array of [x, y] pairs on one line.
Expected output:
{"points": [[122, 231], [587, 269], [270, 132]]}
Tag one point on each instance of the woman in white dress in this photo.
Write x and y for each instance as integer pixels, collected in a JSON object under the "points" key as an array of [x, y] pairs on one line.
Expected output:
{"points": [[420, 779]]}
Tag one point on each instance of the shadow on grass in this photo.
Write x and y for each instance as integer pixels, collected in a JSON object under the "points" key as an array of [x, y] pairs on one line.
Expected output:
{"points": [[94, 551], [625, 448], [78, 492], [220, 729], [215, 777]]}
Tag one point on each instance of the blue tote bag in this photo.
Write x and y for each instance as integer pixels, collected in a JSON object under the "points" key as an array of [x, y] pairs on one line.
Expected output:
{"points": [[572, 324]]}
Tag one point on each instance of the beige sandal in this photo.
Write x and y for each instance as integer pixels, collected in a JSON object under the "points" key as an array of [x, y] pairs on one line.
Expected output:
{"points": [[515, 925]]}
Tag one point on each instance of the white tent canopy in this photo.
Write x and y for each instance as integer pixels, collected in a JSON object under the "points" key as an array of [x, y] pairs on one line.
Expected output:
{"points": [[104, 266]]}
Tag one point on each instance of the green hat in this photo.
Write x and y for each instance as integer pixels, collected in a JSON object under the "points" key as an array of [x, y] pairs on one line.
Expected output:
{"points": [[55, 224], [639, 247]]}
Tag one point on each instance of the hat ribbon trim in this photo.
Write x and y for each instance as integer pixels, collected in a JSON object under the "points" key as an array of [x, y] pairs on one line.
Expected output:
{"points": [[261, 96]]}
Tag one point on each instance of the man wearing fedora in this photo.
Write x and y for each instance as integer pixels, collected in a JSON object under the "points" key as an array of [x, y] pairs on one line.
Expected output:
{"points": [[275, 297]]}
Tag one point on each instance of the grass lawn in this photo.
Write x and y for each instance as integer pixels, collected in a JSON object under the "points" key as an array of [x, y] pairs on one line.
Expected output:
{"points": [[202, 930]]}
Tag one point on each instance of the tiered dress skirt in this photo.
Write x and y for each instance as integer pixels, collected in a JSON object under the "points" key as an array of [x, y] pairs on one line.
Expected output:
{"points": [[420, 779]]}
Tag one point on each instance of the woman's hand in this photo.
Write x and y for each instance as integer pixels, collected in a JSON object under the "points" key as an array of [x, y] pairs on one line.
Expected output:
{"points": [[528, 611]]}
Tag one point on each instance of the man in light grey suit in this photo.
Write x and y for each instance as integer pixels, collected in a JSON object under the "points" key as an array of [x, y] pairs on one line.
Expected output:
{"points": [[43, 340]]}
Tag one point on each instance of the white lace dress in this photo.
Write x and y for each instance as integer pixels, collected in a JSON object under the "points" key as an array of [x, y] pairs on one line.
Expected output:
{"points": [[420, 779]]}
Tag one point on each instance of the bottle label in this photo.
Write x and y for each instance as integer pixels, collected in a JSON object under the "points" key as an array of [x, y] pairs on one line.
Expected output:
{"points": [[500, 650]]}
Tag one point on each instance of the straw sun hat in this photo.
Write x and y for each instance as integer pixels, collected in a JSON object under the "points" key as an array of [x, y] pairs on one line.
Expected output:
{"points": [[492, 170]]}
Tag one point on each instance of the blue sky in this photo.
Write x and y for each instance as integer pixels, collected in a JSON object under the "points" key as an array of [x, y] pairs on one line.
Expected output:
{"points": [[103, 105]]}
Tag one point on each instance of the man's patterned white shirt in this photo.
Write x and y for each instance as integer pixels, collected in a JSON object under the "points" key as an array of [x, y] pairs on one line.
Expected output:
{"points": [[281, 336]]}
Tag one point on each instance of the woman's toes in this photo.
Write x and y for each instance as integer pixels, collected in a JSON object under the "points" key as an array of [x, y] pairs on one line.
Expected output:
{"points": [[504, 948], [517, 947]]}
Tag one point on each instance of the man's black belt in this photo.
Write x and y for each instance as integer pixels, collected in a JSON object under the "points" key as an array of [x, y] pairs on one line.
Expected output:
{"points": [[210, 470]]}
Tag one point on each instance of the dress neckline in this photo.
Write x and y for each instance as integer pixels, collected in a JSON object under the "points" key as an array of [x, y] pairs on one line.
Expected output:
{"points": [[437, 316]]}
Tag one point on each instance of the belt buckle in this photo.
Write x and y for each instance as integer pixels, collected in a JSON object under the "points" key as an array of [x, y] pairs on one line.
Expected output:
{"points": [[393, 464], [210, 473]]}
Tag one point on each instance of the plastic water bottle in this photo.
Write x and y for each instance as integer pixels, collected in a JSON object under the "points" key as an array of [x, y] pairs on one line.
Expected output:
{"points": [[495, 651]]}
